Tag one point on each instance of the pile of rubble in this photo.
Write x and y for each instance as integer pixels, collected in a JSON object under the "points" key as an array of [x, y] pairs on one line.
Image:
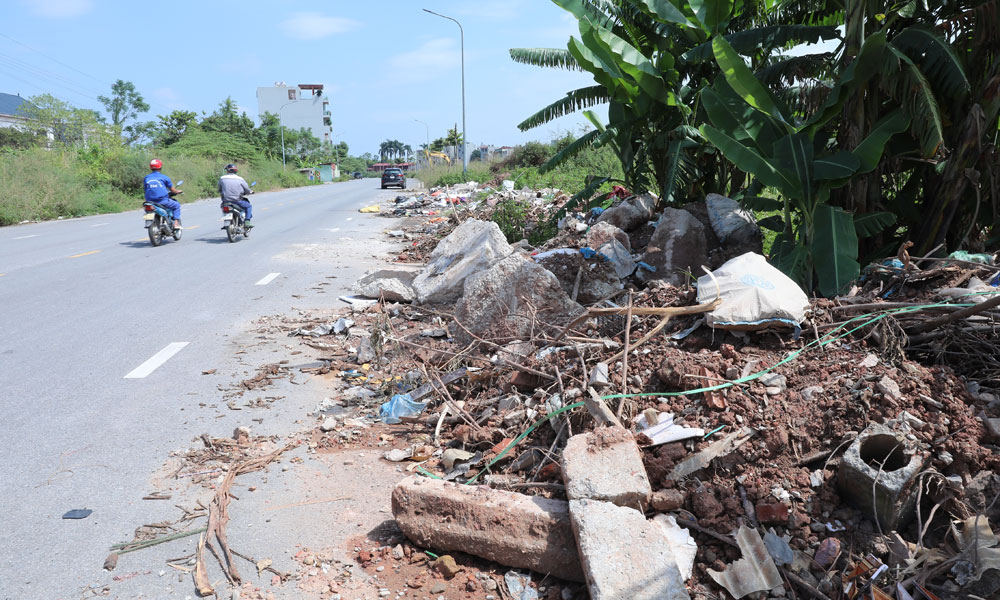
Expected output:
{"points": [[581, 411]]}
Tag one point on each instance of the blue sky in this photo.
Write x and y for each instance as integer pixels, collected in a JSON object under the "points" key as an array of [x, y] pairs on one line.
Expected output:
{"points": [[384, 63]]}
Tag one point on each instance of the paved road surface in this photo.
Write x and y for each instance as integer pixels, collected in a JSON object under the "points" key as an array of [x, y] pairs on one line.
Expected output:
{"points": [[103, 339]]}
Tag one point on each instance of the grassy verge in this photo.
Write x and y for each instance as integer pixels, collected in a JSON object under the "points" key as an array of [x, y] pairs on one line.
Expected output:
{"points": [[38, 184]]}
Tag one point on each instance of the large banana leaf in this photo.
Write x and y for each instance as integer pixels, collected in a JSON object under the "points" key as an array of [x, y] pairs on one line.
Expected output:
{"points": [[573, 101], [794, 154], [745, 84], [910, 88], [865, 66], [617, 88], [713, 14], [834, 250], [792, 259], [631, 61], [663, 11], [936, 58], [749, 160], [753, 40], [869, 224], [870, 150], [545, 57], [840, 165], [729, 113]]}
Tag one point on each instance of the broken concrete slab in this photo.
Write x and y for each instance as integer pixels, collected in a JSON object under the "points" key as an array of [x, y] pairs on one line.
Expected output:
{"points": [[676, 248], [625, 556], [606, 464], [878, 474], [632, 213], [395, 285], [528, 532], [472, 247], [601, 233], [515, 298]]}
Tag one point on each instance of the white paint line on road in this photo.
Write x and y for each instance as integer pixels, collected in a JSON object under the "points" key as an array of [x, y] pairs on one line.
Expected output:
{"points": [[268, 279], [24, 237], [349, 219], [100, 224], [158, 359], [334, 230]]}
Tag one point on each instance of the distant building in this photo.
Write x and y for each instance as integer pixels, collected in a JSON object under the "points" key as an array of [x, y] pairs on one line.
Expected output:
{"points": [[298, 106], [11, 111]]}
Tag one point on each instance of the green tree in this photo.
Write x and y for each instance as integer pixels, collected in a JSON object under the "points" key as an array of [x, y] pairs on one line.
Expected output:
{"points": [[68, 125], [125, 104], [172, 127]]}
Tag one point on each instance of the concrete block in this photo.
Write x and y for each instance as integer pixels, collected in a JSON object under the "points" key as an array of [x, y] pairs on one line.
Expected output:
{"points": [[624, 556], [393, 284], [878, 474], [606, 465], [527, 532], [472, 247]]}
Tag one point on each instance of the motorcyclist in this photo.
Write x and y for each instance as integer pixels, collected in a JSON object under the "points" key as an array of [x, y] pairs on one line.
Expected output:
{"points": [[233, 188], [158, 187]]}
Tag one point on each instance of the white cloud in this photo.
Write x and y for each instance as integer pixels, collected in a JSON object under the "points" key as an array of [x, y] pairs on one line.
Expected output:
{"points": [[316, 26], [59, 8], [434, 55]]}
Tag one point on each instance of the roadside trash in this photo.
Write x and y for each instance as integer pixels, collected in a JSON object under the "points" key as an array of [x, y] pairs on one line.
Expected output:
{"points": [[755, 572], [401, 405], [398, 455], [370, 209], [519, 586], [452, 455], [339, 326], [682, 545], [754, 295], [714, 450], [778, 548], [666, 430], [731, 224], [78, 513], [508, 185], [980, 258]]}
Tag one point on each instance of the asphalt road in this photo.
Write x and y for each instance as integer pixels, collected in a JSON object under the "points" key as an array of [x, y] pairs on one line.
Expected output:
{"points": [[103, 340]]}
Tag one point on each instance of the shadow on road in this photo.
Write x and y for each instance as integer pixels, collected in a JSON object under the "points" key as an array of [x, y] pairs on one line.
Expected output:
{"points": [[216, 239], [142, 244]]}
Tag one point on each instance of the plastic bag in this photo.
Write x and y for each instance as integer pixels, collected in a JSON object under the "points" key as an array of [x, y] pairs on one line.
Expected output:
{"points": [[400, 405], [755, 295]]}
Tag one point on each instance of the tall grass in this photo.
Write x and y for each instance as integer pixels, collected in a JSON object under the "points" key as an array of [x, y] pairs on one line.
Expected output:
{"points": [[37, 184]]}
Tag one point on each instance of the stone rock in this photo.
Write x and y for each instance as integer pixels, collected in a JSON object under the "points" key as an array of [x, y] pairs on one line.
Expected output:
{"points": [[513, 299], [704, 504], [395, 285], [993, 428], [515, 530], [366, 353], [774, 380], [599, 376], [601, 233], [667, 500], [619, 258], [624, 555], [598, 278], [471, 248], [677, 246], [329, 424], [632, 213], [447, 566], [888, 388], [605, 464]]}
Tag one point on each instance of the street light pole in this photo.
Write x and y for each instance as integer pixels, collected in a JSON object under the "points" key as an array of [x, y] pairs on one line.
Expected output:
{"points": [[464, 138]]}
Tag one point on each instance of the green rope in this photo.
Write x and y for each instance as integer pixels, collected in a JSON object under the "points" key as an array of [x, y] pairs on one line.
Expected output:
{"points": [[822, 341]]}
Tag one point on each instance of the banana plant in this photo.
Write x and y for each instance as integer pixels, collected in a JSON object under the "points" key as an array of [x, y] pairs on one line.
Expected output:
{"points": [[760, 134]]}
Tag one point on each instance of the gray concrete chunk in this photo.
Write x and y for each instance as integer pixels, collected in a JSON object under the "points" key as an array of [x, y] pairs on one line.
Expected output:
{"points": [[472, 247], [624, 556], [606, 465]]}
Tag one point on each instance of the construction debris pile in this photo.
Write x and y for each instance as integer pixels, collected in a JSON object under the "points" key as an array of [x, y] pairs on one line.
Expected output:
{"points": [[605, 410]]}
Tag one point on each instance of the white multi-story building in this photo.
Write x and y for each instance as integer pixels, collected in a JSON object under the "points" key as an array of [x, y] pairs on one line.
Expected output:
{"points": [[298, 106]]}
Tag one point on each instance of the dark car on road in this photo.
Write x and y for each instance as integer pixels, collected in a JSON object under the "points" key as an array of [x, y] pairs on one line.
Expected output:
{"points": [[356, 175], [393, 177]]}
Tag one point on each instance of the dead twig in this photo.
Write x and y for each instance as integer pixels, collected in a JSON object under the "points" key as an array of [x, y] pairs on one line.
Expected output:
{"points": [[628, 330]]}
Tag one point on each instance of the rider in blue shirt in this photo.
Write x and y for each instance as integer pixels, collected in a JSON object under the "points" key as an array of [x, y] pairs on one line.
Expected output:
{"points": [[158, 188]]}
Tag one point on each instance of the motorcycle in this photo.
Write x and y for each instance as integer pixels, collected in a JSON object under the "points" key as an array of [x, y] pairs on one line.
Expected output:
{"points": [[234, 219], [159, 222]]}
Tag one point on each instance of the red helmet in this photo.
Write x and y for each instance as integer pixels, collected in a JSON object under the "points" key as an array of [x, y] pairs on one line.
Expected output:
{"points": [[155, 164]]}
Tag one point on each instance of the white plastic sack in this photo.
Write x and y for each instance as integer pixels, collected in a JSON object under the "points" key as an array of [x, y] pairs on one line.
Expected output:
{"points": [[754, 295]]}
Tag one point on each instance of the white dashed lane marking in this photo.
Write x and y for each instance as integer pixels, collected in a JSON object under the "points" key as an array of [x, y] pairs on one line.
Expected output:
{"points": [[156, 360], [268, 279]]}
